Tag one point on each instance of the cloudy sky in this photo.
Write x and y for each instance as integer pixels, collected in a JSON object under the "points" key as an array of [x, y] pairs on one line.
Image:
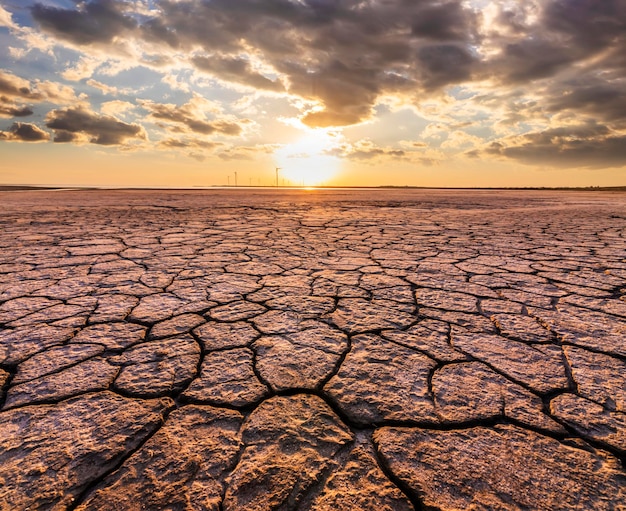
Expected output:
{"points": [[336, 92]]}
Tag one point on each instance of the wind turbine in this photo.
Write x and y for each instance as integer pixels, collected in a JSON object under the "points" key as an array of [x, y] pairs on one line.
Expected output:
{"points": [[277, 169]]}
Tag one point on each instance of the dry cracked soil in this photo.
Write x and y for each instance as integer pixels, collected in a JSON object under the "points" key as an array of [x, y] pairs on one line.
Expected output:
{"points": [[326, 350]]}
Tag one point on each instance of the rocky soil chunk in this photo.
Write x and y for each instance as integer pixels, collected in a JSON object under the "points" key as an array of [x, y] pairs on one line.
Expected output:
{"points": [[113, 336], [55, 359], [227, 378], [289, 443], [433, 343], [181, 467], [355, 315], [158, 367], [504, 467], [237, 311], [359, 483], [306, 306], [176, 326], [472, 391], [278, 322], [447, 300], [300, 360], [114, 307], [50, 453], [540, 367], [157, 307], [521, 328], [381, 381], [586, 328], [469, 322], [20, 307], [218, 336], [69, 315], [21, 343], [591, 420], [599, 377], [88, 376]]}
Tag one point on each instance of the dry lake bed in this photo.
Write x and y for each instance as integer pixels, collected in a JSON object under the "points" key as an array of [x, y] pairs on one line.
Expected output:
{"points": [[321, 350]]}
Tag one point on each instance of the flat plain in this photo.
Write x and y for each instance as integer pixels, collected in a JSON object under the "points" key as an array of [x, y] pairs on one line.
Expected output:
{"points": [[317, 350]]}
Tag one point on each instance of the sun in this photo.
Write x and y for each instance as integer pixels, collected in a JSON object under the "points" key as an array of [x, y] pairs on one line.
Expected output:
{"points": [[309, 160]]}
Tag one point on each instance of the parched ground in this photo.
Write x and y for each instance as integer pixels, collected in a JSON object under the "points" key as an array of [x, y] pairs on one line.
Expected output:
{"points": [[327, 351]]}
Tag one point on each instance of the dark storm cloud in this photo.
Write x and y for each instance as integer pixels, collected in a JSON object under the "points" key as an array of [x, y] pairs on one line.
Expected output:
{"points": [[600, 100], [533, 59], [72, 124], [237, 70], [444, 64], [24, 132], [98, 21], [188, 116], [581, 146], [566, 33], [590, 24], [443, 22]]}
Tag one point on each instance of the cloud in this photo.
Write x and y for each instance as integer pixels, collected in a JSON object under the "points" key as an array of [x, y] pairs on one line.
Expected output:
{"points": [[236, 70], [602, 100], [444, 22], [15, 87], [365, 150], [10, 110], [187, 143], [103, 87], [77, 124], [191, 117], [247, 153], [445, 64], [6, 19], [14, 90], [24, 132], [83, 68], [116, 107], [589, 145], [94, 22]]}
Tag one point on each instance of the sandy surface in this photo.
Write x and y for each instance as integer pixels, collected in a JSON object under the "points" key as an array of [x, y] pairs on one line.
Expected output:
{"points": [[324, 350]]}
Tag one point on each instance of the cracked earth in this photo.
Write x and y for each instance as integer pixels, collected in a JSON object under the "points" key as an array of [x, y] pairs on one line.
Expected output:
{"points": [[335, 350]]}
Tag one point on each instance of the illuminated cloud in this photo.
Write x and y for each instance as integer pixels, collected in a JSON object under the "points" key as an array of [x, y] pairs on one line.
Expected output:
{"points": [[6, 20], [24, 132], [10, 111], [191, 118], [237, 70], [576, 146], [13, 87], [365, 150], [77, 124]]}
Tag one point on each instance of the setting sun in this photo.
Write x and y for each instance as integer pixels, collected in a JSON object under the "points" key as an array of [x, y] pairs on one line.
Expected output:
{"points": [[308, 161]]}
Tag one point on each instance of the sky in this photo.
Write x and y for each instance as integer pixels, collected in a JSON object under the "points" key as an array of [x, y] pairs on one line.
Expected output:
{"points": [[185, 93]]}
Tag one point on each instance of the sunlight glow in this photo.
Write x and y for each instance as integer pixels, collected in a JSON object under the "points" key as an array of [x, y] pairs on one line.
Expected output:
{"points": [[309, 160]]}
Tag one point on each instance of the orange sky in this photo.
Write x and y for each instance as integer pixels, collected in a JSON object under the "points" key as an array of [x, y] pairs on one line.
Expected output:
{"points": [[334, 92]]}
